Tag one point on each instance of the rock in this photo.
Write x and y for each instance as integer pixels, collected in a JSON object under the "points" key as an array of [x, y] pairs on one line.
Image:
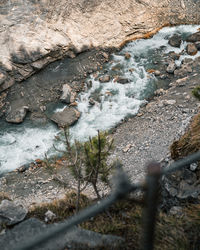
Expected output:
{"points": [[197, 44], [188, 191], [169, 102], [191, 49], [122, 80], [68, 96], [127, 148], [49, 216], [17, 115], [91, 101], [66, 118], [159, 92], [127, 55], [174, 56], [39, 64], [75, 239], [193, 166], [7, 83], [105, 55], [10, 213], [2, 78], [176, 210], [171, 67], [157, 73], [194, 37], [104, 79], [175, 41], [189, 176]]}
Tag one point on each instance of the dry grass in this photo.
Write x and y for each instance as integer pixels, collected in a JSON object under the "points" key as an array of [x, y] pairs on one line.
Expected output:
{"points": [[188, 143], [172, 233]]}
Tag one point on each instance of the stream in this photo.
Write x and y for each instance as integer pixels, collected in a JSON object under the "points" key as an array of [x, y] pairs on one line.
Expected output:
{"points": [[23, 143]]}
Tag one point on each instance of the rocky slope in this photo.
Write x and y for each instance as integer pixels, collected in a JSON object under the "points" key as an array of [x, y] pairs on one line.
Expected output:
{"points": [[35, 33]]}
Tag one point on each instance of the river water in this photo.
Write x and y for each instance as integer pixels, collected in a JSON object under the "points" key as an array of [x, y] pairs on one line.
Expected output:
{"points": [[23, 143]]}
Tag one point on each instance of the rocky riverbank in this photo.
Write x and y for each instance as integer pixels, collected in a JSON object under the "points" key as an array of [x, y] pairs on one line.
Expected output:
{"points": [[139, 139]]}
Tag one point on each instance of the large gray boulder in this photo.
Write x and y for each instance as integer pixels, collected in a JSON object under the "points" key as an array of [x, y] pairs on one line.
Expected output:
{"points": [[11, 213], [68, 96], [75, 239], [17, 115], [171, 67], [194, 37], [175, 41], [66, 118], [191, 49]]}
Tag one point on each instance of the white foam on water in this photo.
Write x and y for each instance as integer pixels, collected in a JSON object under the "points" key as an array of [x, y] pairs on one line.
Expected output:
{"points": [[24, 145], [116, 101]]}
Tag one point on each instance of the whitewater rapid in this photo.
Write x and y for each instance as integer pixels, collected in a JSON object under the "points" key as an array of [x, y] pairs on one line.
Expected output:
{"points": [[23, 143]]}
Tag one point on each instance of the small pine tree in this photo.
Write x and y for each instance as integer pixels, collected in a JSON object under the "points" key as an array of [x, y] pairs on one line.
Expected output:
{"points": [[97, 150], [88, 161]]}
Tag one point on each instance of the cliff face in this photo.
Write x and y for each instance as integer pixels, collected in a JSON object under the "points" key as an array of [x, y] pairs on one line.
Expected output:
{"points": [[34, 33]]}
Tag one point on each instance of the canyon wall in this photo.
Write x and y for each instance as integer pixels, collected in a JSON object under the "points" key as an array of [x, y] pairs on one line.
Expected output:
{"points": [[34, 33]]}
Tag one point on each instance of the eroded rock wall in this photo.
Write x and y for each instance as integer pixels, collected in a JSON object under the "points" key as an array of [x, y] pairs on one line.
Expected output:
{"points": [[34, 33]]}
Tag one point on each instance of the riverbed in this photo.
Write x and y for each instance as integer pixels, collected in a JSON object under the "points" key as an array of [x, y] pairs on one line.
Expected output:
{"points": [[114, 102]]}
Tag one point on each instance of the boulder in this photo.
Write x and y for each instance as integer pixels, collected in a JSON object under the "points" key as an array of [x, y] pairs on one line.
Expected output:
{"points": [[11, 213], [17, 115], [191, 49], [171, 67], [197, 44], [104, 79], [127, 55], [122, 80], [66, 118], [6, 83], [77, 238], [194, 37], [68, 96], [175, 41], [49, 216]]}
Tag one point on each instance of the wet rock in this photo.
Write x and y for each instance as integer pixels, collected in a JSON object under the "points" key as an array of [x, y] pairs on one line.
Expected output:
{"points": [[17, 115], [49, 216], [122, 80], [66, 118], [91, 101], [104, 79], [194, 37], [174, 56], [171, 67], [175, 41], [197, 44], [68, 96], [127, 55], [191, 49], [11, 213]]}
